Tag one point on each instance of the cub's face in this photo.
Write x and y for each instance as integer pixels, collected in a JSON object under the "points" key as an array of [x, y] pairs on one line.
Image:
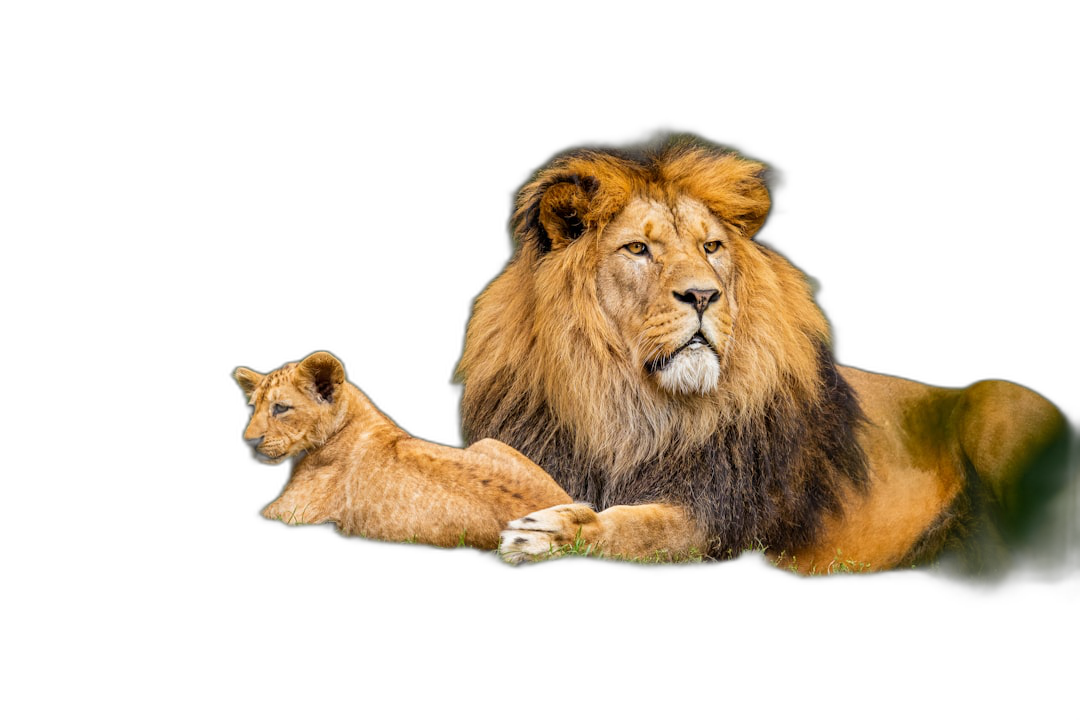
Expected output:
{"points": [[295, 408], [664, 280]]}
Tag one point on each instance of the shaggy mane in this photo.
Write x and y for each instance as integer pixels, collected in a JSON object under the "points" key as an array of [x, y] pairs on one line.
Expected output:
{"points": [[760, 460]]}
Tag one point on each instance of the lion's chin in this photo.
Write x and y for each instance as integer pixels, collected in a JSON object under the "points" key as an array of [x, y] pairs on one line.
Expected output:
{"points": [[691, 372]]}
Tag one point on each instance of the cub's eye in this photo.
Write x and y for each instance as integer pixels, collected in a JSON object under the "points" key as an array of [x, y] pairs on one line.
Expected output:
{"points": [[636, 248], [711, 246], [279, 408]]}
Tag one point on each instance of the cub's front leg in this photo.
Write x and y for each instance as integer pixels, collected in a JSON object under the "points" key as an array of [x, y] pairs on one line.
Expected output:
{"points": [[306, 500], [654, 532]]}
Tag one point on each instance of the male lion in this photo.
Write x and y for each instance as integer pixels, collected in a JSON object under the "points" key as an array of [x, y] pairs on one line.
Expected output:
{"points": [[360, 470], [675, 374]]}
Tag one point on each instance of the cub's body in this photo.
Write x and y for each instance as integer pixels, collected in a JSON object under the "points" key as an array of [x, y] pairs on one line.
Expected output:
{"points": [[361, 471]]}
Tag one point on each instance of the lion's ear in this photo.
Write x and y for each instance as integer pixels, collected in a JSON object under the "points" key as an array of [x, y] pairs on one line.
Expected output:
{"points": [[563, 211], [322, 375], [755, 205], [247, 379]]}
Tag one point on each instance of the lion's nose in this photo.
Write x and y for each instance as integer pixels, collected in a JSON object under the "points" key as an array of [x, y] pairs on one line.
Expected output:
{"points": [[254, 442], [700, 299]]}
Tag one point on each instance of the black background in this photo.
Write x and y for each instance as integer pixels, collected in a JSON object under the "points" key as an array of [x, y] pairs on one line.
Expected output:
{"points": [[352, 209]]}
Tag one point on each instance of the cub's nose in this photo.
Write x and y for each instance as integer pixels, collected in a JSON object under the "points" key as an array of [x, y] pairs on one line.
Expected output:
{"points": [[253, 442], [697, 297]]}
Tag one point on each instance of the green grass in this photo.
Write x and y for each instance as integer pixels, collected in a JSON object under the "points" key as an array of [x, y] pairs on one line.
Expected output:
{"points": [[839, 565]]}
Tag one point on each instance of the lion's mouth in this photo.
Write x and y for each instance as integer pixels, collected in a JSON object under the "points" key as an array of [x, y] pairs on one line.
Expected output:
{"points": [[697, 341]]}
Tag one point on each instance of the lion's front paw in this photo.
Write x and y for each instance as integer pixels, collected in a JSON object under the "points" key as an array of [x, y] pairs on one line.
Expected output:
{"points": [[546, 533]]}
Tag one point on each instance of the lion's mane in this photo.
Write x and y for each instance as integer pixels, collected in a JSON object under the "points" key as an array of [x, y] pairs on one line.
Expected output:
{"points": [[760, 460]]}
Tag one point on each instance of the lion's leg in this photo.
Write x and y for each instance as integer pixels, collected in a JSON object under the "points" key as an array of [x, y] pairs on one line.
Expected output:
{"points": [[654, 531]]}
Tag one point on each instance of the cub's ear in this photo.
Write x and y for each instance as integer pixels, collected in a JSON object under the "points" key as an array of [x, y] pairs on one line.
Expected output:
{"points": [[564, 209], [247, 379], [322, 375]]}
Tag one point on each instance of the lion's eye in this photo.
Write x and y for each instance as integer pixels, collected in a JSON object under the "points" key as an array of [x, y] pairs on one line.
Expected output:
{"points": [[636, 248], [711, 246], [279, 408]]}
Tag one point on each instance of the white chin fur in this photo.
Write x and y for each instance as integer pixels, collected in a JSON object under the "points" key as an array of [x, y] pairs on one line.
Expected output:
{"points": [[691, 372]]}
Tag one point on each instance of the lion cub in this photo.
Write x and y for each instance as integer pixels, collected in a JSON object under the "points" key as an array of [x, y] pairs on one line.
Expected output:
{"points": [[360, 470]]}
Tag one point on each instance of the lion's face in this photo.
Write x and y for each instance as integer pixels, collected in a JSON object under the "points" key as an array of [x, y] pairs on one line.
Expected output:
{"points": [[664, 280], [295, 409], [284, 416]]}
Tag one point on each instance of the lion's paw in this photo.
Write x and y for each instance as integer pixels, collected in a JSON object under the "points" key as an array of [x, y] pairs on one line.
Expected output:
{"points": [[546, 533]]}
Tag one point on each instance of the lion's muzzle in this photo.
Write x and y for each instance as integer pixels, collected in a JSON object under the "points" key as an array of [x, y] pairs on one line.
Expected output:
{"points": [[700, 299]]}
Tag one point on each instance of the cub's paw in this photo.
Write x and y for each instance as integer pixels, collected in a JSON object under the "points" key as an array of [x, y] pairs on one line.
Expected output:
{"points": [[289, 514], [547, 533]]}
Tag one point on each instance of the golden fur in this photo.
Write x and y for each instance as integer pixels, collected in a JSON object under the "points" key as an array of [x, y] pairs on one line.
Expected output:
{"points": [[358, 469], [671, 371]]}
